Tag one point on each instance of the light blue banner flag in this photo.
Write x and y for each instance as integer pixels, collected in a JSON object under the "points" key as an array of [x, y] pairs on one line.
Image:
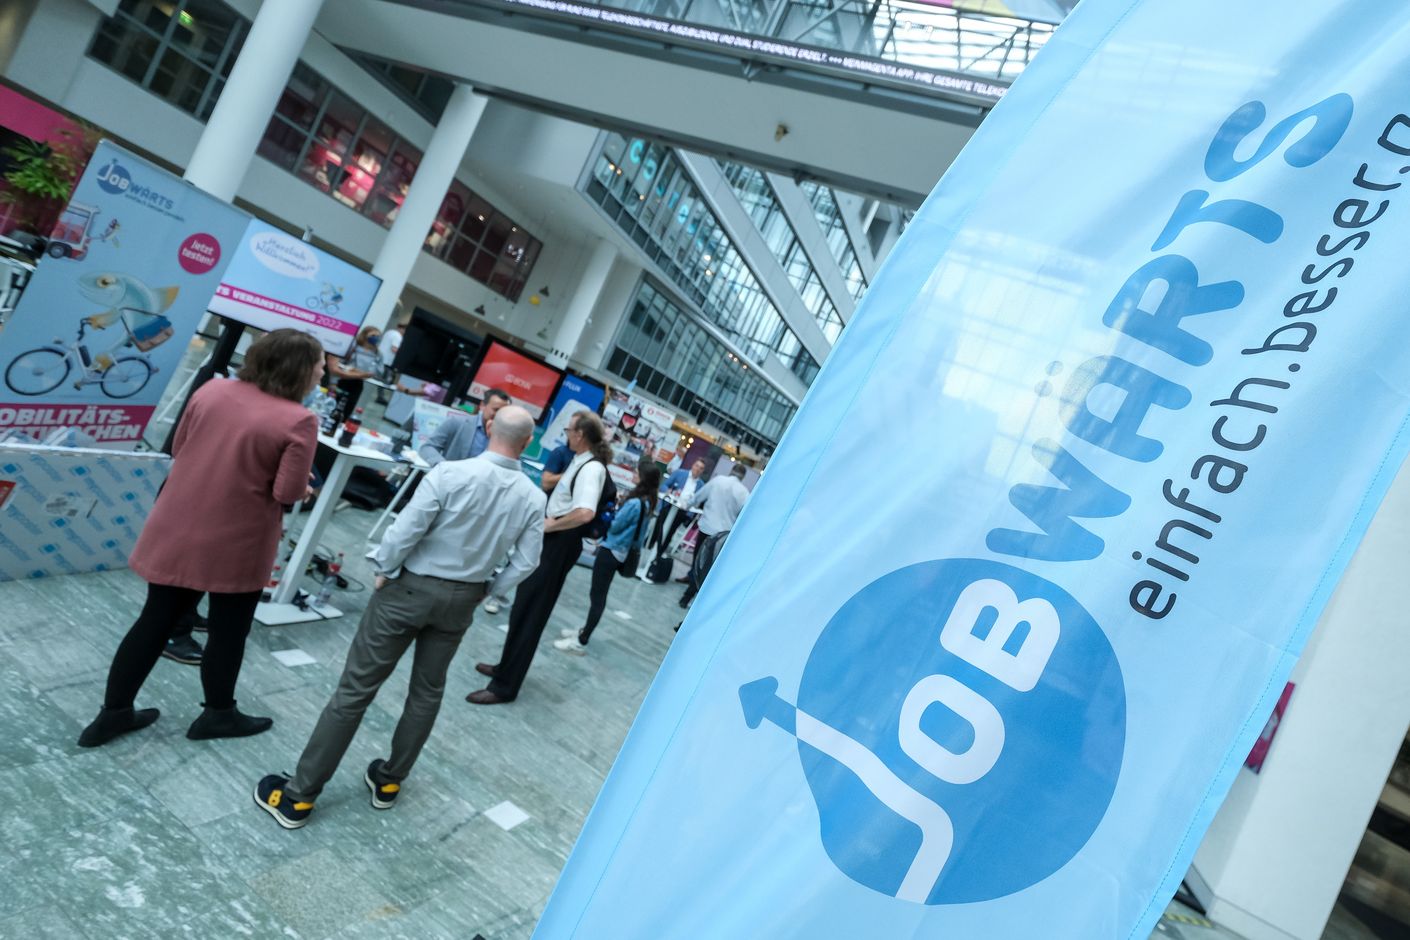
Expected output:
{"points": [[1036, 556]]}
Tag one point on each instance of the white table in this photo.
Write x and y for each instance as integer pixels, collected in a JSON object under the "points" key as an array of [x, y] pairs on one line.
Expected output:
{"points": [[418, 466], [281, 609]]}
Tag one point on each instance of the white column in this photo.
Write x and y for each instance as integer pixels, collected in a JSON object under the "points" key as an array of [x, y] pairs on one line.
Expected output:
{"points": [[423, 200], [266, 61], [590, 285], [1273, 862]]}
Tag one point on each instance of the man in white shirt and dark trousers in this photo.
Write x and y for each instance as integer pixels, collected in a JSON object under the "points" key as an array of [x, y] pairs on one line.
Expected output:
{"points": [[723, 499], [571, 509], [432, 569]]}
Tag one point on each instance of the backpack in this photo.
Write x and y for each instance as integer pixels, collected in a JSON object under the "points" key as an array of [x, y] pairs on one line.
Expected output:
{"points": [[660, 569], [705, 554], [606, 504]]}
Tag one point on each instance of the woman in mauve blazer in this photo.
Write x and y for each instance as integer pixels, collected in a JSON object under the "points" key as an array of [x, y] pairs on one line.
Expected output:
{"points": [[242, 449]]}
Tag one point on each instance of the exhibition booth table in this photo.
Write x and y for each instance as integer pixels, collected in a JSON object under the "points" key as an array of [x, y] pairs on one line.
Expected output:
{"points": [[282, 607]]}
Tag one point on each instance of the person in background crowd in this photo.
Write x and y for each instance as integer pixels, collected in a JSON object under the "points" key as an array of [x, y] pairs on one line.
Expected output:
{"points": [[628, 531], [682, 485], [677, 460], [361, 362], [723, 498], [461, 435], [553, 467], [432, 568], [571, 509], [387, 354], [241, 450]]}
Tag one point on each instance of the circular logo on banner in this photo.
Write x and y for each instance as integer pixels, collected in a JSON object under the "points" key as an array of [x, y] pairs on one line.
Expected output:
{"points": [[198, 253], [114, 178], [961, 725]]}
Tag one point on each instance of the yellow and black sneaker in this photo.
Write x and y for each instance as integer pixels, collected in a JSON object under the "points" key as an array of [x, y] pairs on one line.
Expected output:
{"points": [[287, 812], [384, 795]]}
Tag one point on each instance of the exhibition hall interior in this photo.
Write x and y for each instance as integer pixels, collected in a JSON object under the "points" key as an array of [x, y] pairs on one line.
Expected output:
{"points": [[313, 311]]}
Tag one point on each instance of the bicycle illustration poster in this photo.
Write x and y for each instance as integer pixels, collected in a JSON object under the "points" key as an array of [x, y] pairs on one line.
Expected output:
{"points": [[275, 281], [112, 307]]}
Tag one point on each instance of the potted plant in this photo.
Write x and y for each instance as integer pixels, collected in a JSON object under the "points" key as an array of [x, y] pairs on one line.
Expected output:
{"points": [[41, 175]]}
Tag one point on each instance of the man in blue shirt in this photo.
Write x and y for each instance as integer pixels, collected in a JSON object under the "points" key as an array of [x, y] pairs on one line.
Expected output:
{"points": [[460, 436], [681, 485]]}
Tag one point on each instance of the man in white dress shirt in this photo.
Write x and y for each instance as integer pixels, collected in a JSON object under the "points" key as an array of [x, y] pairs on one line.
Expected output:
{"points": [[723, 498], [432, 569]]}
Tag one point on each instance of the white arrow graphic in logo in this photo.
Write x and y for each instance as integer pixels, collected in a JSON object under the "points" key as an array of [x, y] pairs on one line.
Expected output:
{"points": [[761, 702]]}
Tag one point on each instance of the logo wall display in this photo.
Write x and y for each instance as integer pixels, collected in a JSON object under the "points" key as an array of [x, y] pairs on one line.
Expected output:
{"points": [[977, 680], [49, 527]]}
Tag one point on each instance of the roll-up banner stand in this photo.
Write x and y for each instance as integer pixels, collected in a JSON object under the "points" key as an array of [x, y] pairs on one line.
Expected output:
{"points": [[574, 394], [104, 322], [1147, 345]]}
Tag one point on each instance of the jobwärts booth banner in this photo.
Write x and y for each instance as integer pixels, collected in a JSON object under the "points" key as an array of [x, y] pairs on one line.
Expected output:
{"points": [[1149, 338], [131, 265]]}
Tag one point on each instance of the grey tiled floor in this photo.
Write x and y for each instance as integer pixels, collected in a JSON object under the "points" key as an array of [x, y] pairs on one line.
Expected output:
{"points": [[155, 836]]}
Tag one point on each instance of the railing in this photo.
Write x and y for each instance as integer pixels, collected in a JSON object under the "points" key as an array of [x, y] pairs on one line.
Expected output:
{"points": [[899, 39]]}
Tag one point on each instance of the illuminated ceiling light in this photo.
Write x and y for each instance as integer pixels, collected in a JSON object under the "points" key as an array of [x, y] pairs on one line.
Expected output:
{"points": [[481, 218], [186, 19]]}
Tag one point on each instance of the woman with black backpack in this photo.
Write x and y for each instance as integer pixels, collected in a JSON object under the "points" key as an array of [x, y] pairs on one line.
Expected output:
{"points": [[618, 552]]}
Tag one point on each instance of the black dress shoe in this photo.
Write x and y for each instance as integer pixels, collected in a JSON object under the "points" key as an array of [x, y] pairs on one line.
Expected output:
{"points": [[486, 697], [485, 669], [183, 649], [114, 722]]}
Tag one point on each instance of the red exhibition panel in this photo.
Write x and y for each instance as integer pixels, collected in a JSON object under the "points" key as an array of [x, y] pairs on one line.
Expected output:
{"points": [[528, 382]]}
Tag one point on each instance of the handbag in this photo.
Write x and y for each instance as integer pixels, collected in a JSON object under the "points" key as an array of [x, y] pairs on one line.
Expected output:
{"points": [[627, 568]]}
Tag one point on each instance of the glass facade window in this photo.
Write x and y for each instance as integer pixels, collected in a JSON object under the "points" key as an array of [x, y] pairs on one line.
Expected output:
{"points": [[671, 356], [647, 192], [428, 94], [830, 220], [181, 50], [760, 201]]}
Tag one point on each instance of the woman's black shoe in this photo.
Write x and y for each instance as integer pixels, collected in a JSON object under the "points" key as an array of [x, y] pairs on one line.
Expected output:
{"points": [[226, 723], [115, 722]]}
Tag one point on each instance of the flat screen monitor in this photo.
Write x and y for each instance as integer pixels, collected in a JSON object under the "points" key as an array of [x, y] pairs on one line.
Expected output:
{"points": [[275, 281], [528, 381], [433, 349]]}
